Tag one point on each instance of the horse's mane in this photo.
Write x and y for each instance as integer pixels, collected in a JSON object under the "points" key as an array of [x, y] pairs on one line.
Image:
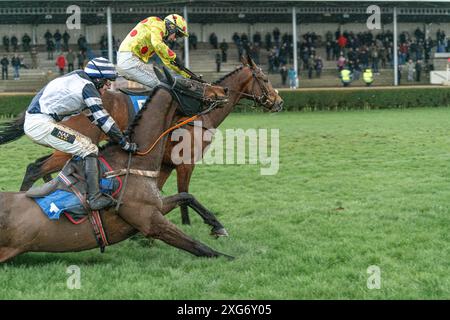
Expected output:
{"points": [[130, 130], [228, 75]]}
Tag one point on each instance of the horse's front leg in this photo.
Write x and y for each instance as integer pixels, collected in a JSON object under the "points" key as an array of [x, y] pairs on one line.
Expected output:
{"points": [[184, 173], [149, 220], [188, 200]]}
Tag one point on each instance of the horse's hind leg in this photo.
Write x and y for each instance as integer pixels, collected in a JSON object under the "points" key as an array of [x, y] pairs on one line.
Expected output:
{"points": [[32, 174], [43, 168], [187, 199], [7, 253], [150, 221]]}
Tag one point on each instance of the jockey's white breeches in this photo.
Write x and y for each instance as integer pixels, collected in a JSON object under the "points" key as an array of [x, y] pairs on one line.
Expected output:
{"points": [[134, 69], [44, 130]]}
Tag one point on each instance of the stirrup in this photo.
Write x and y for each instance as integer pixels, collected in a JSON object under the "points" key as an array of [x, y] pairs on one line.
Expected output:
{"points": [[97, 197]]}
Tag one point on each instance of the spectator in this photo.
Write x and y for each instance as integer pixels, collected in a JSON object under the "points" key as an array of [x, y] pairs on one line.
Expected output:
{"points": [[4, 62], [26, 42], [82, 44], [81, 58], [70, 60], [418, 70], [6, 43], [341, 63], [236, 38], [410, 69], [218, 61], [48, 36], [342, 42], [356, 72], [257, 38], [284, 74], [34, 56], [268, 41], [276, 36], [61, 63], [329, 49], [14, 43], [50, 49], [104, 46], [244, 40], [310, 66], [318, 66], [375, 59], [368, 77], [57, 36], [15, 62], [66, 38], [193, 40], [346, 77], [293, 80], [213, 40], [224, 49]]}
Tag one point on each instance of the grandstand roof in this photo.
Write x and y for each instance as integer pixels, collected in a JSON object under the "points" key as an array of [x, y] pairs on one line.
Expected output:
{"points": [[200, 11]]}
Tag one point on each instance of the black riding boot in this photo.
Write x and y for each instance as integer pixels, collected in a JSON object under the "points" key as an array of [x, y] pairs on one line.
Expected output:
{"points": [[96, 199]]}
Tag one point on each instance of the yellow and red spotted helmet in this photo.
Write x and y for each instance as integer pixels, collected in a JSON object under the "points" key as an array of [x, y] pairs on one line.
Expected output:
{"points": [[176, 23]]}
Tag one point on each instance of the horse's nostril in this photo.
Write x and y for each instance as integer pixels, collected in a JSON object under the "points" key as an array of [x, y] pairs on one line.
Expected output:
{"points": [[225, 90]]}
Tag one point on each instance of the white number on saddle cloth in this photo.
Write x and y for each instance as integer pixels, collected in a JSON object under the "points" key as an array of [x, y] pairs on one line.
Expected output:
{"points": [[141, 103], [54, 208]]}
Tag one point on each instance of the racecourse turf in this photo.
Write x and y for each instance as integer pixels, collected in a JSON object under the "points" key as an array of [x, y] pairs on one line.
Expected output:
{"points": [[354, 189]]}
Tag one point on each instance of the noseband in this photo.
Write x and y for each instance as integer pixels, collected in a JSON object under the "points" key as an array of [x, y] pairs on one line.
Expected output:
{"points": [[262, 100]]}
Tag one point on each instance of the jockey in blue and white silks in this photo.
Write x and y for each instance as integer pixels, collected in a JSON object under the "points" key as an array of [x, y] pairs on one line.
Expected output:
{"points": [[69, 95]]}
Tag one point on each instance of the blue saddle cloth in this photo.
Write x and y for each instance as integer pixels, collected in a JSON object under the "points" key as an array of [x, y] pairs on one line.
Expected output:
{"points": [[60, 201]]}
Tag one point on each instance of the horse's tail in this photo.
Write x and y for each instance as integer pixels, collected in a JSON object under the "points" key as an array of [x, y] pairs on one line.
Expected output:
{"points": [[12, 130]]}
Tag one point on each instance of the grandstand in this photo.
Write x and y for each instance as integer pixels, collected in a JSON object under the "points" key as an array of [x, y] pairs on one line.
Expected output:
{"points": [[224, 18]]}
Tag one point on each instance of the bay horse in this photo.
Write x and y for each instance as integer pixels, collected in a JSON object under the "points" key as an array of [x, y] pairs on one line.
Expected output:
{"points": [[247, 81], [24, 228]]}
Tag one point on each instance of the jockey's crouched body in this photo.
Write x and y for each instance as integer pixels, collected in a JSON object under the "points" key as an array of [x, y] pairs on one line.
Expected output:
{"points": [[146, 39], [66, 96]]}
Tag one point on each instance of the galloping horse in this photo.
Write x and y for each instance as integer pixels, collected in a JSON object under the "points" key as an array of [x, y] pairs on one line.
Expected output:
{"points": [[23, 227], [247, 82]]}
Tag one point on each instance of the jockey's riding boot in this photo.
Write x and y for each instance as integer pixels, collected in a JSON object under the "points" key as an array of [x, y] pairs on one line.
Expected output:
{"points": [[96, 199]]}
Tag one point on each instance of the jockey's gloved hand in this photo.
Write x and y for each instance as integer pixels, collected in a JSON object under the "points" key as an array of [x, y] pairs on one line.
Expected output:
{"points": [[117, 136], [127, 145]]}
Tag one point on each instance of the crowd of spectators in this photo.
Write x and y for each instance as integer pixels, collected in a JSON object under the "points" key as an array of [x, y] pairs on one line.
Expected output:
{"points": [[56, 42]]}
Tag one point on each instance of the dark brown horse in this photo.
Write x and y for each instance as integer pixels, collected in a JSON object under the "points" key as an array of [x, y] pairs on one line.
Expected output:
{"points": [[24, 228], [247, 82]]}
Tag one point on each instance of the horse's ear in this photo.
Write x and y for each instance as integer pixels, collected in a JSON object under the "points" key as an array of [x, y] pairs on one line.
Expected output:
{"points": [[250, 61], [158, 73], [169, 76], [244, 60]]}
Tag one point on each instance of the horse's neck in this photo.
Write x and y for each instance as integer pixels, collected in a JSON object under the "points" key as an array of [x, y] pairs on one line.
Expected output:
{"points": [[155, 119], [236, 83]]}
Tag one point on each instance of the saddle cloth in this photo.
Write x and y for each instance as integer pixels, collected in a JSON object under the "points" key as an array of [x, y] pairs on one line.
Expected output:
{"points": [[63, 201]]}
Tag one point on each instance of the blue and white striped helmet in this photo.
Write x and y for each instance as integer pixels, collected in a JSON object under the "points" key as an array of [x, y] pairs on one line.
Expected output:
{"points": [[101, 68]]}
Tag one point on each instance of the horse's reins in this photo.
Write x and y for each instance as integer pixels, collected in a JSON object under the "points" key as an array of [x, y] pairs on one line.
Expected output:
{"points": [[257, 100], [146, 173]]}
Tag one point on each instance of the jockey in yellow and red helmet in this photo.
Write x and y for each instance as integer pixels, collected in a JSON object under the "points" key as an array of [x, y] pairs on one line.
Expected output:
{"points": [[146, 39]]}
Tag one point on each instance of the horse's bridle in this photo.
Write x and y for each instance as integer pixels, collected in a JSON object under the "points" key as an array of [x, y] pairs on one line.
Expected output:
{"points": [[212, 103], [262, 100]]}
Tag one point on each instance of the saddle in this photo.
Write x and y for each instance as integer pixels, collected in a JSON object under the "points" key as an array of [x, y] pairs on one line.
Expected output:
{"points": [[71, 179], [66, 194]]}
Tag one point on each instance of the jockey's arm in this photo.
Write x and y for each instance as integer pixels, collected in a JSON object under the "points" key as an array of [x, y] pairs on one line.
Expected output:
{"points": [[166, 55], [98, 115]]}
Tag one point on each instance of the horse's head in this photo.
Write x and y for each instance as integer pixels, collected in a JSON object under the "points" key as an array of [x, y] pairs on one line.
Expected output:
{"points": [[259, 89], [195, 92]]}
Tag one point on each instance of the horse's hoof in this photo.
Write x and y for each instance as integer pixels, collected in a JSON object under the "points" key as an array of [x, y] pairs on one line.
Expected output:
{"points": [[222, 232]]}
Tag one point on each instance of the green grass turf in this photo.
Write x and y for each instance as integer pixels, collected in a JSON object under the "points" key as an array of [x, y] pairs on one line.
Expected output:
{"points": [[354, 189]]}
